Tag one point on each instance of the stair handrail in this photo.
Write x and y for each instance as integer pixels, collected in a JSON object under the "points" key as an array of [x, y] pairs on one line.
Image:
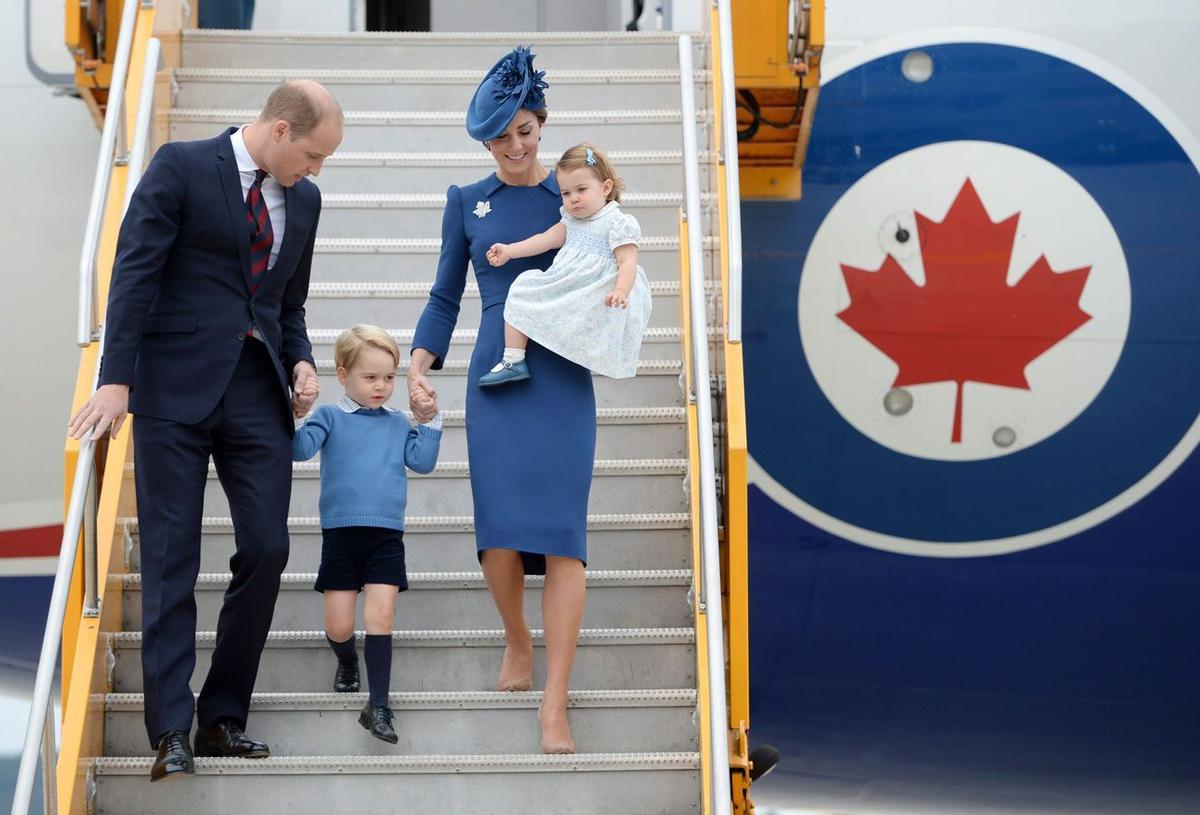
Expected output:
{"points": [[106, 160], [733, 191], [39, 738], [700, 394]]}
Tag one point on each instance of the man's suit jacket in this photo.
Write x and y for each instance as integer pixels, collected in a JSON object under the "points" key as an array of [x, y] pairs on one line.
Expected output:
{"points": [[180, 303]]}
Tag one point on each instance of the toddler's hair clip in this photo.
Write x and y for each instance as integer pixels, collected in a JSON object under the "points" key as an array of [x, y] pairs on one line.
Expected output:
{"points": [[591, 157]]}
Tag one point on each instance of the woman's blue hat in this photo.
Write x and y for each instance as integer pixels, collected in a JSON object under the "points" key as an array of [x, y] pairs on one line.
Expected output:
{"points": [[512, 84]]}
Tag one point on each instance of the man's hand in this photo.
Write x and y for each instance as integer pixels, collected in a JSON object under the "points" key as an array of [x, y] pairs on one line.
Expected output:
{"points": [[422, 398], [107, 409], [305, 388]]}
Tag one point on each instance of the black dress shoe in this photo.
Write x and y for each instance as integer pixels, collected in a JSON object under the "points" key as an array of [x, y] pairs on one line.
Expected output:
{"points": [[378, 720], [346, 678], [226, 740], [174, 758]]}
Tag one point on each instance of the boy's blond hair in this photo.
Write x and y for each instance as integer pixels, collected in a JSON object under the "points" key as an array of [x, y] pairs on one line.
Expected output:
{"points": [[352, 341], [577, 157]]}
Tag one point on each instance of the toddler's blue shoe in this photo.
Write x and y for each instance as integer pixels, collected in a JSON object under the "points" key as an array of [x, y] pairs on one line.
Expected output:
{"points": [[510, 372]]}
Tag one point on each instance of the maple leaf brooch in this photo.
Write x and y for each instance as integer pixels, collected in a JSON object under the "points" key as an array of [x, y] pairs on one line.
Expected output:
{"points": [[482, 208], [966, 323]]}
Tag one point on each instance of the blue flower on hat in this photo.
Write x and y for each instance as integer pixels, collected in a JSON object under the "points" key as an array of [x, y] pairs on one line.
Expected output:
{"points": [[510, 85]]}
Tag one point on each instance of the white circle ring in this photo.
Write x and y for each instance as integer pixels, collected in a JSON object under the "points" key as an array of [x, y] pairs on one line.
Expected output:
{"points": [[1128, 497]]}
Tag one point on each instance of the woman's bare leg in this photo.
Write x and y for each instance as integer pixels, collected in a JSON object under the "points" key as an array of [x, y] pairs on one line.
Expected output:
{"points": [[505, 578], [562, 611]]}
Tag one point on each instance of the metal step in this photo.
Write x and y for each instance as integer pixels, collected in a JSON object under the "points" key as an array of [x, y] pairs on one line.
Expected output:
{"points": [[660, 541], [403, 260], [657, 343], [351, 172], [474, 51], [419, 215], [458, 600], [657, 383], [387, 303], [513, 784], [645, 432], [624, 485], [427, 90], [435, 130], [447, 723], [446, 660]]}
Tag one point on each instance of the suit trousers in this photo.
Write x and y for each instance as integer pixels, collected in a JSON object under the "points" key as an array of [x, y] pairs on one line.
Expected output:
{"points": [[248, 436]]}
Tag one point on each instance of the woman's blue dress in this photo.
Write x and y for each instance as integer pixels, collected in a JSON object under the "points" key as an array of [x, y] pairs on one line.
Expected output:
{"points": [[531, 445]]}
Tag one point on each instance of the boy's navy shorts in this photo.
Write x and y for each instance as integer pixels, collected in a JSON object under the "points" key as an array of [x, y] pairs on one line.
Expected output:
{"points": [[354, 555]]}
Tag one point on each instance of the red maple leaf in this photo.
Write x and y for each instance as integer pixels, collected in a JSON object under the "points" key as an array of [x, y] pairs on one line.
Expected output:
{"points": [[966, 323]]}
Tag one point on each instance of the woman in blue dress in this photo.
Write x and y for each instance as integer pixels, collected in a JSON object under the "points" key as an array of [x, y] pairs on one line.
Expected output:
{"points": [[531, 445]]}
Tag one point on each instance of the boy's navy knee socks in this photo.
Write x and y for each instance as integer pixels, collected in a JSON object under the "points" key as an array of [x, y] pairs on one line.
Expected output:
{"points": [[346, 651], [378, 652]]}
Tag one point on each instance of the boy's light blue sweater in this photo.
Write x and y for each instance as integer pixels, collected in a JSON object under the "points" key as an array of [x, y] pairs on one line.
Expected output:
{"points": [[363, 456]]}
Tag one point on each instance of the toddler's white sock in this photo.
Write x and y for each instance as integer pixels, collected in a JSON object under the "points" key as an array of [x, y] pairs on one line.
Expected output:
{"points": [[511, 356]]}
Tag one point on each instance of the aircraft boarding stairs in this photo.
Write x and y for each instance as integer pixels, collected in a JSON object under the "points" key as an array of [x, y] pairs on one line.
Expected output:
{"points": [[463, 747]]}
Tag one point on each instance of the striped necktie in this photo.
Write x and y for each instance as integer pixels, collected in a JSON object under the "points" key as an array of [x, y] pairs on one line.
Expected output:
{"points": [[262, 237]]}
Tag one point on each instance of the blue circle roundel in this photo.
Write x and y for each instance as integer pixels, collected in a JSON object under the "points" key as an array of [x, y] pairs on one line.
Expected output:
{"points": [[978, 330]]}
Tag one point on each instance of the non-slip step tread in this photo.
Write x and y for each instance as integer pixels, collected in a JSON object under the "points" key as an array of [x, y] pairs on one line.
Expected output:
{"points": [[449, 77], [611, 415], [435, 159], [460, 469], [399, 289], [487, 637], [466, 523], [447, 118], [645, 367], [354, 200], [304, 765], [651, 243], [456, 38], [431, 580], [414, 700], [404, 336]]}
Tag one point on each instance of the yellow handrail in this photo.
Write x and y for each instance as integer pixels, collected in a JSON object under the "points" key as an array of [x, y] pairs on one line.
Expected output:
{"points": [[734, 453], [85, 675], [693, 450]]}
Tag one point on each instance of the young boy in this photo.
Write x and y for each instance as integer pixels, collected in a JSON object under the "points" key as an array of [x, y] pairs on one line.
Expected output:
{"points": [[365, 447]]}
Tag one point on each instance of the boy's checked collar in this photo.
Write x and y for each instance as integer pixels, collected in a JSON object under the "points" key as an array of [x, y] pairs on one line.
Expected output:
{"points": [[348, 405]]}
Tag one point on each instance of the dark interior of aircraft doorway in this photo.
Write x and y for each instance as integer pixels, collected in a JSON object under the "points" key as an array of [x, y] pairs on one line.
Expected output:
{"points": [[397, 15]]}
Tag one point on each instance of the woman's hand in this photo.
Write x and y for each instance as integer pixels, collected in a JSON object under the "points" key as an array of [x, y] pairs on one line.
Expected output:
{"points": [[499, 254], [617, 298], [422, 398]]}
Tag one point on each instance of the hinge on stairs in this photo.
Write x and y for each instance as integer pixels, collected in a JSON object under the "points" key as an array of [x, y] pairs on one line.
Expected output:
{"points": [[739, 770], [128, 541], [110, 660], [91, 788]]}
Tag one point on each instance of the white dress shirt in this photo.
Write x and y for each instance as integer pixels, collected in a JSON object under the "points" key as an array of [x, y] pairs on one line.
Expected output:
{"points": [[272, 192]]}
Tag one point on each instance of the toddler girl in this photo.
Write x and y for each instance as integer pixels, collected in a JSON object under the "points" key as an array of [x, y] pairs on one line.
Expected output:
{"points": [[592, 305]]}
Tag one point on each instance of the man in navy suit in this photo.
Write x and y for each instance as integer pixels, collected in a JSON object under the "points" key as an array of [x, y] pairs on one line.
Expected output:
{"points": [[204, 339]]}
